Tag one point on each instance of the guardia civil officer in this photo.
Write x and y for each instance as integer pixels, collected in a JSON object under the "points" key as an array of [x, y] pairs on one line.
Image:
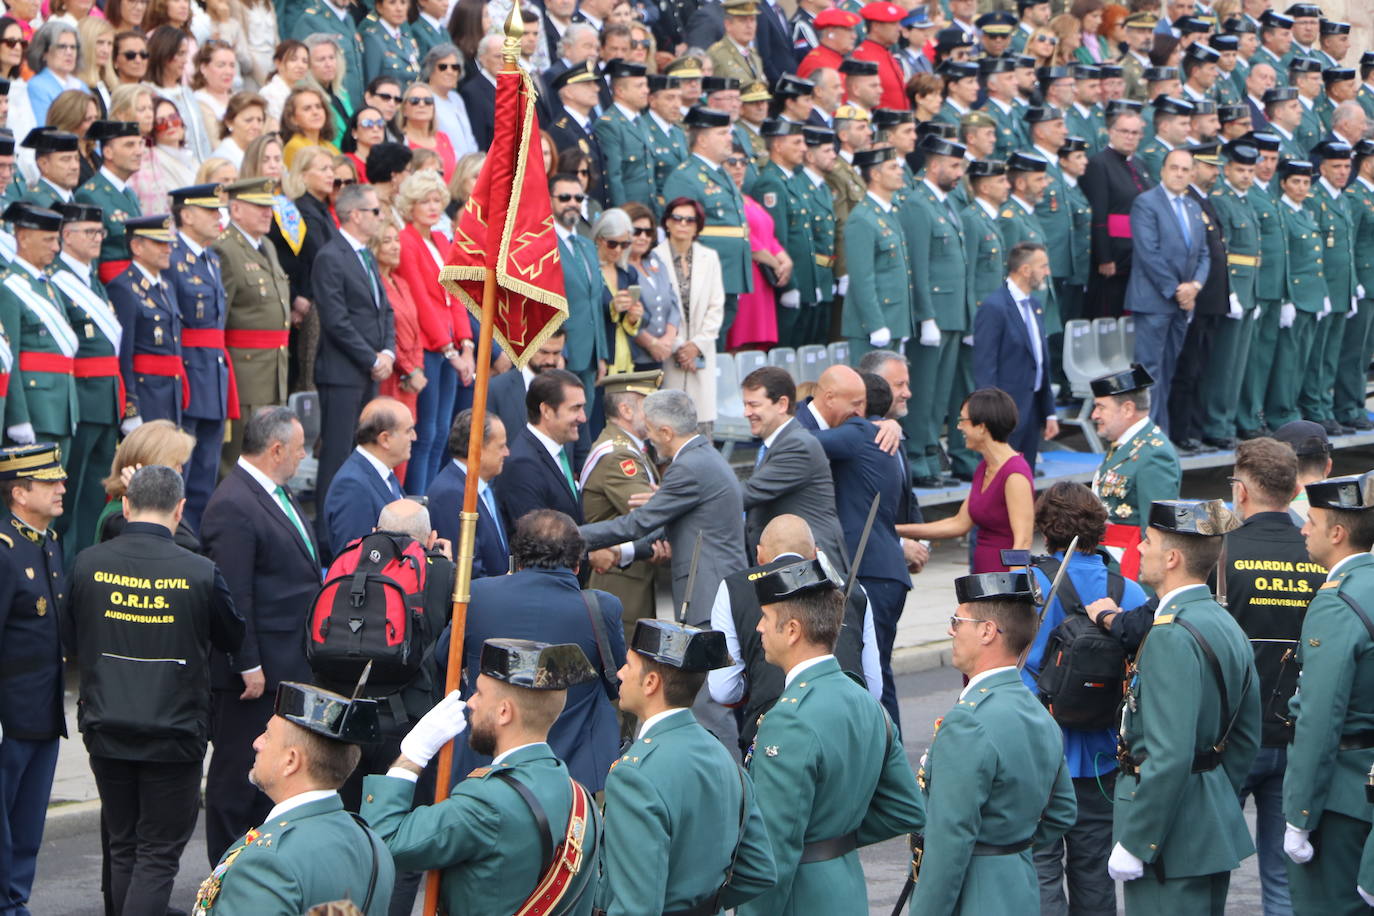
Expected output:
{"points": [[683, 830], [150, 348], [493, 837], [1190, 727], [309, 850], [996, 783], [1333, 737], [32, 585], [822, 783], [144, 614]]}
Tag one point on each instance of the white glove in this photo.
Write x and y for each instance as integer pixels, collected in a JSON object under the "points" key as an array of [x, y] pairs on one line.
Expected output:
{"points": [[1255, 313], [1288, 312], [930, 333], [1354, 308], [23, 434], [842, 285], [1359, 291], [967, 340], [131, 424], [1123, 866], [790, 299], [880, 338], [1296, 844], [1237, 310], [438, 727], [1326, 308], [1366, 895]]}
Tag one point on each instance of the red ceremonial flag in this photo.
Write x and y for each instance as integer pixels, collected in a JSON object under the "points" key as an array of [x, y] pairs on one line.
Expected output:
{"points": [[507, 227]]}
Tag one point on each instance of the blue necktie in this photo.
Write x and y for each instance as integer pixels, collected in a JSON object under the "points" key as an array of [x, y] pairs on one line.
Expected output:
{"points": [[495, 517], [394, 482], [1182, 212], [758, 459]]}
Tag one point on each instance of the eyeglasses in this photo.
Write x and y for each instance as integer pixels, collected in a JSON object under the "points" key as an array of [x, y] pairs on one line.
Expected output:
{"points": [[63, 47], [1048, 38], [420, 100], [683, 218], [643, 231], [955, 620], [736, 161], [371, 122], [564, 198], [963, 419], [168, 122], [134, 55], [97, 232], [387, 97], [1235, 480], [344, 182], [616, 245], [375, 211], [14, 42], [444, 68]]}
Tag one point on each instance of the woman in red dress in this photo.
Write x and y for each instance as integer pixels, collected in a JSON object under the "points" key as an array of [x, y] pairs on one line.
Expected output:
{"points": [[407, 379]]}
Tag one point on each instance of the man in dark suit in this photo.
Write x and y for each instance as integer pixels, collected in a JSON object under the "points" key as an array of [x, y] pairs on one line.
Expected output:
{"points": [[256, 532], [479, 90], [357, 328], [1170, 269], [1010, 350], [791, 474], [578, 90], [1111, 183], [506, 392], [539, 473], [491, 556], [367, 480], [543, 601]]}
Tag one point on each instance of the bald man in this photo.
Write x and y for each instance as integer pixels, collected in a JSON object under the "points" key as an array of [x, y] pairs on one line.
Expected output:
{"points": [[366, 481]]}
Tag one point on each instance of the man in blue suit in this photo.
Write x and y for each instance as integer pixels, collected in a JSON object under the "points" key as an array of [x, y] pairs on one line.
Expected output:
{"points": [[367, 481], [1168, 270], [1010, 350], [543, 601], [491, 556], [506, 393], [588, 298], [539, 473]]}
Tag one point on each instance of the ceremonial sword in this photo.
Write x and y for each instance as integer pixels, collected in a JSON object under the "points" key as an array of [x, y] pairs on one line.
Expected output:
{"points": [[691, 580]]}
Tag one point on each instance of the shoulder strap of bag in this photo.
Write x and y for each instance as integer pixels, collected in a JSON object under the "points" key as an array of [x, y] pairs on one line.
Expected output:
{"points": [[1215, 664], [541, 819], [1067, 594], [603, 645], [372, 848], [739, 838], [1359, 612]]}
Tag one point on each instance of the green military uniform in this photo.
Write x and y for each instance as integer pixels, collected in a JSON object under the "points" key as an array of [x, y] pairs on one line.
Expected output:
{"points": [[1336, 225], [1080, 251], [1348, 398], [1231, 343], [615, 470], [384, 54], [1150, 157], [1271, 280], [1088, 123], [43, 193], [1263, 55], [725, 232], [1009, 128], [1309, 131], [987, 262], [879, 282], [728, 61], [819, 775], [995, 776], [815, 322], [949, 113], [1056, 223], [258, 297], [318, 17], [629, 158], [755, 152], [428, 34], [116, 205], [1365, 96], [785, 198], [669, 148], [1306, 289], [1225, 90], [1135, 473], [98, 398], [35, 319], [1323, 787], [1175, 806], [7, 358]]}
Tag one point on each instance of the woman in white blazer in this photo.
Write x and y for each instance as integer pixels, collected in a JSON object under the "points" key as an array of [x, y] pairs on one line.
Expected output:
{"points": [[701, 293]]}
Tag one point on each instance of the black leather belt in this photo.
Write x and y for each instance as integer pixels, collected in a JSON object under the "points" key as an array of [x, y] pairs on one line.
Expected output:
{"points": [[1356, 742], [988, 849], [1203, 761], [707, 907], [833, 848]]}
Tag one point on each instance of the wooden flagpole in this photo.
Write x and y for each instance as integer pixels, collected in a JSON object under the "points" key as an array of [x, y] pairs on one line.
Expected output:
{"points": [[467, 536]]}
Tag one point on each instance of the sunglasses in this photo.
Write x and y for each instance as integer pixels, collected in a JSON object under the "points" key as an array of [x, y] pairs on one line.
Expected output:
{"points": [[643, 231], [134, 55], [421, 100], [168, 122], [344, 182], [641, 43], [387, 97], [444, 68], [736, 161], [683, 218], [564, 198], [1048, 38], [371, 122], [14, 42], [615, 245], [375, 211]]}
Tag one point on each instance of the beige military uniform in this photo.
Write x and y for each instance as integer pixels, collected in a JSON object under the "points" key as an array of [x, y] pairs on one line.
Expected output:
{"points": [[727, 60], [848, 190]]}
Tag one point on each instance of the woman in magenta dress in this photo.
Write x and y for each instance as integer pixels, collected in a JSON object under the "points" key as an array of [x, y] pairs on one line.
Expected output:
{"points": [[1002, 501], [756, 321]]}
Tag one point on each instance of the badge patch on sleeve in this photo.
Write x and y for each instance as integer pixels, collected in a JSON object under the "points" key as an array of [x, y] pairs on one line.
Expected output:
{"points": [[628, 467]]}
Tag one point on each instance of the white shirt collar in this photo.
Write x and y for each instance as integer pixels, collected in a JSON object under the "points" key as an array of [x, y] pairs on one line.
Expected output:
{"points": [[1082, 109], [662, 124], [553, 448], [820, 420], [799, 667], [1306, 102], [786, 171], [340, 11], [684, 445], [1174, 593], [983, 676], [939, 195], [267, 483], [186, 240], [152, 277], [591, 20], [655, 719], [742, 49], [772, 437], [1022, 204], [1234, 190], [1331, 573], [567, 236], [1174, 198], [62, 193], [1294, 205], [81, 270], [1285, 134], [627, 112], [110, 177], [988, 208], [1015, 291], [957, 106], [37, 274], [709, 164], [884, 205], [582, 120], [504, 754], [1330, 188], [297, 801], [482, 485], [432, 21], [1131, 430], [1005, 107], [382, 470], [352, 242], [1365, 181], [816, 177]]}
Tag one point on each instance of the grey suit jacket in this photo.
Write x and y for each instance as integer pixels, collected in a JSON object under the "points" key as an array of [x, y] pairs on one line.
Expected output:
{"points": [[794, 479], [1162, 259], [698, 493]]}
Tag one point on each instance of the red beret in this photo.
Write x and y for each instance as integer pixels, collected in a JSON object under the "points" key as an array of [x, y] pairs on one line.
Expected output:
{"points": [[836, 18], [883, 12]]}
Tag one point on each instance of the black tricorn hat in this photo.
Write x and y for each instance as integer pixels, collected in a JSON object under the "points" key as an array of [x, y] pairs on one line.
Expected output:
{"points": [[1124, 382], [994, 586], [938, 146], [818, 136], [874, 155], [1073, 145], [6, 143], [535, 665], [110, 130], [1027, 162], [77, 212], [31, 216], [1116, 106], [1353, 493], [1221, 43], [1202, 517], [680, 646], [711, 84], [942, 129], [986, 168], [780, 127], [659, 82], [1159, 74], [789, 581], [888, 118], [51, 140], [851, 66], [705, 117], [330, 714], [619, 68], [789, 85]]}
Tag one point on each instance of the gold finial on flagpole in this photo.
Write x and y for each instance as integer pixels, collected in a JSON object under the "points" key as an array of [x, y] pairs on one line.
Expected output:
{"points": [[515, 30]]}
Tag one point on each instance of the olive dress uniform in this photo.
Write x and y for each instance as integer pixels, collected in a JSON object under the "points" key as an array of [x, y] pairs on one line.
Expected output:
{"points": [[1306, 289], [1336, 227], [880, 280], [387, 54], [846, 190], [32, 587], [1348, 398], [1137, 472], [784, 196], [259, 301], [727, 61], [1225, 371], [98, 395], [629, 158], [42, 389], [1331, 750], [1270, 282], [150, 348], [321, 18], [116, 205]]}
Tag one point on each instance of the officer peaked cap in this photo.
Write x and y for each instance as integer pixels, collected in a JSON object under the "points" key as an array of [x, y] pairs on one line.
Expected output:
{"points": [[41, 461], [535, 665], [680, 646]]}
